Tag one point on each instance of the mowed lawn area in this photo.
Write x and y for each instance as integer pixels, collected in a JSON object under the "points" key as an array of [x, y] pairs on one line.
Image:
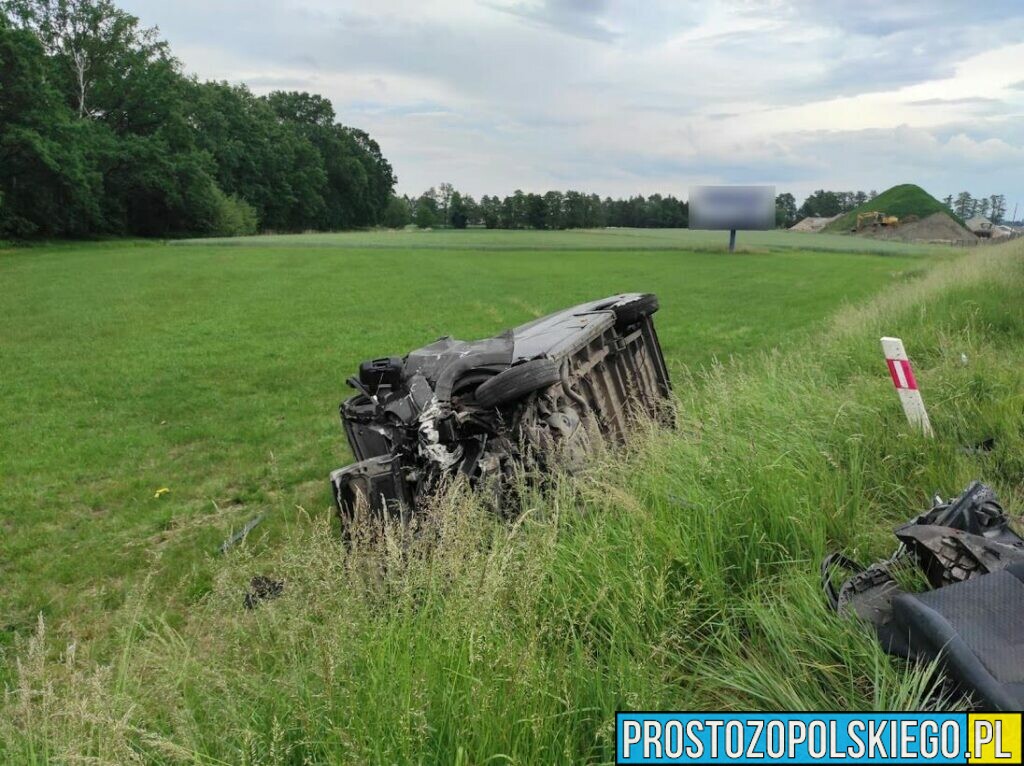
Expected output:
{"points": [[214, 370]]}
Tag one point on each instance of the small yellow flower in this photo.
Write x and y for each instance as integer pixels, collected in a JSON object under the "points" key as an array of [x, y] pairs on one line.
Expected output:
{"points": [[162, 491]]}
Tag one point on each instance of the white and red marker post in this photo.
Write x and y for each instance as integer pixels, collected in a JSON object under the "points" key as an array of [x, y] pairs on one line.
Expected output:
{"points": [[906, 385]]}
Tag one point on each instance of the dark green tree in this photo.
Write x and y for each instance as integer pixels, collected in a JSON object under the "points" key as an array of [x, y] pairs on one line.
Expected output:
{"points": [[822, 204], [554, 210], [997, 203], [490, 211], [785, 210], [103, 134], [49, 182], [963, 206], [513, 211], [426, 214], [536, 211], [443, 196], [458, 210], [398, 213]]}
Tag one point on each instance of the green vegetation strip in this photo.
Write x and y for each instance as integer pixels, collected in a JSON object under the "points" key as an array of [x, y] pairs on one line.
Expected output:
{"points": [[584, 239]]}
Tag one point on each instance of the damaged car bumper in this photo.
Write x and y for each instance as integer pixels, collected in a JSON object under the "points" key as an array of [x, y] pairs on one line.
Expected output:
{"points": [[540, 395]]}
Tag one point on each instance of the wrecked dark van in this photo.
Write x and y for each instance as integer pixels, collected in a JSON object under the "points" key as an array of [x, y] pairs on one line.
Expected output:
{"points": [[535, 397]]}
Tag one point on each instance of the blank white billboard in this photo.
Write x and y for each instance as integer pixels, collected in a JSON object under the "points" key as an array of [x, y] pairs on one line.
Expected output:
{"points": [[732, 207]]}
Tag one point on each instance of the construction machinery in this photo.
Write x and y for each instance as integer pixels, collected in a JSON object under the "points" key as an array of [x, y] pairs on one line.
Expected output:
{"points": [[874, 219]]}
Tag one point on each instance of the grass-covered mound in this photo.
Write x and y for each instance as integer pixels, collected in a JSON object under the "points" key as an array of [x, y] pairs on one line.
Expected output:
{"points": [[683, 578], [901, 201]]}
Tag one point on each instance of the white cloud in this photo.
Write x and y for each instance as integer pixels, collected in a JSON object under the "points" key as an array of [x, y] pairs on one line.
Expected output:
{"points": [[620, 97]]}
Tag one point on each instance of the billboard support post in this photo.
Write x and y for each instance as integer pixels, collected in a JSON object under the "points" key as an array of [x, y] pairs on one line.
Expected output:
{"points": [[732, 240]]}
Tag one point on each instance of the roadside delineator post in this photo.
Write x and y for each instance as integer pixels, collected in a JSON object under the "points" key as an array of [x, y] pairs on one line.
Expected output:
{"points": [[906, 385]]}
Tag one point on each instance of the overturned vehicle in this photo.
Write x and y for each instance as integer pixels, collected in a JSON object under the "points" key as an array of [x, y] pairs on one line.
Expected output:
{"points": [[542, 395], [972, 619]]}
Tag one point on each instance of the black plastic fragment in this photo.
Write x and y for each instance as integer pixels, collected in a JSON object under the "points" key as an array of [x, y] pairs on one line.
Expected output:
{"points": [[262, 588], [973, 620]]}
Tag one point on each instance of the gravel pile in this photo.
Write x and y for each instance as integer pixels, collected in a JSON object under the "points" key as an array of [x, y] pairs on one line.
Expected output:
{"points": [[938, 227]]}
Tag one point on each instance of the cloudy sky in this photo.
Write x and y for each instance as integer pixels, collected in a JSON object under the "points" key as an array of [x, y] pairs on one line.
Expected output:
{"points": [[638, 97]]}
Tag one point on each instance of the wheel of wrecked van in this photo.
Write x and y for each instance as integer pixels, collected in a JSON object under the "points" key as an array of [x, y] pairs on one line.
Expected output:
{"points": [[516, 382], [632, 312]]}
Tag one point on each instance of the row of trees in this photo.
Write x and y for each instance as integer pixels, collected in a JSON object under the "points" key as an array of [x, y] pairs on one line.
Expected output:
{"points": [[824, 204], [964, 205], [446, 206], [829, 203], [101, 133]]}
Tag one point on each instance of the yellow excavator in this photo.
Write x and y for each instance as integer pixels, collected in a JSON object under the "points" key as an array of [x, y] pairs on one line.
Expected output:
{"points": [[874, 219]]}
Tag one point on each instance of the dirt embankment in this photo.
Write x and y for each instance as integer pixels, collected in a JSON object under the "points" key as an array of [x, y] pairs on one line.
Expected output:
{"points": [[938, 227], [813, 224]]}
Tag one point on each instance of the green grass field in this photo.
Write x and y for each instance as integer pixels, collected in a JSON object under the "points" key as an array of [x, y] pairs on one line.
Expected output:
{"points": [[216, 372], [684, 578]]}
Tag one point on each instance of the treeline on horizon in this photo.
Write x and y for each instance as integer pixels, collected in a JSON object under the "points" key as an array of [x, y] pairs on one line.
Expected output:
{"points": [[825, 204], [101, 133], [966, 206], [444, 206]]}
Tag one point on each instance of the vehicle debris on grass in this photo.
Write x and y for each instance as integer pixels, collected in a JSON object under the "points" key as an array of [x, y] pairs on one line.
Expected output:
{"points": [[542, 395], [973, 619], [262, 588]]}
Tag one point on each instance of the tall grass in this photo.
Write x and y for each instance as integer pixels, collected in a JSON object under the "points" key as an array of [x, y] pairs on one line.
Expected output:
{"points": [[683, 576]]}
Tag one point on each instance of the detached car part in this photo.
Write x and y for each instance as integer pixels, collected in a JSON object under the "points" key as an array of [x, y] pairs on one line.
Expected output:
{"points": [[535, 397], [974, 619]]}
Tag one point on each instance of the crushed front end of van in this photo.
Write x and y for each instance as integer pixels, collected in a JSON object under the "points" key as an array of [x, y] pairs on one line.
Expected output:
{"points": [[541, 396]]}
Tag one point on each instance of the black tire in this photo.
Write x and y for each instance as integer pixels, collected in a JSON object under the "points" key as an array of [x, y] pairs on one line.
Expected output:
{"points": [[632, 312], [516, 382]]}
